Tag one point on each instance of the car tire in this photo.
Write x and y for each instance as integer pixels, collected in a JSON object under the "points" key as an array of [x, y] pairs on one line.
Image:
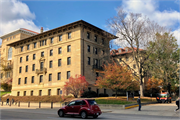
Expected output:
{"points": [[95, 116], [61, 113], [83, 115]]}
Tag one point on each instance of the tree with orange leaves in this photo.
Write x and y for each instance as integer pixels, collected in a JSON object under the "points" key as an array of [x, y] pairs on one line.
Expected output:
{"points": [[75, 86], [154, 83], [115, 77]]}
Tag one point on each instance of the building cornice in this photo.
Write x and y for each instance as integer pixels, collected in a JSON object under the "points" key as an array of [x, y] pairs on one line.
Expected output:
{"points": [[64, 28], [21, 30]]}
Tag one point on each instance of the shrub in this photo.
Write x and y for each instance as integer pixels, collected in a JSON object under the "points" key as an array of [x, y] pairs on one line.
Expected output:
{"points": [[103, 95], [89, 94], [6, 86]]}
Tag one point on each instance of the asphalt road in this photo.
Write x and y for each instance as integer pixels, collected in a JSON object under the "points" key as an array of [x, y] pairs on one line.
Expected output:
{"points": [[48, 114]]}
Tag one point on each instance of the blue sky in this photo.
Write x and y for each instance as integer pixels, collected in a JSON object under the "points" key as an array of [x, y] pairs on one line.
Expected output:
{"points": [[33, 15]]}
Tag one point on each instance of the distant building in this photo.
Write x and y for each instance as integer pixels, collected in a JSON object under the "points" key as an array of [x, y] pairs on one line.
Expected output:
{"points": [[43, 62], [124, 56]]}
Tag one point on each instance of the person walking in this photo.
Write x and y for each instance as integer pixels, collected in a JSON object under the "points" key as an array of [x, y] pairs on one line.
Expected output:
{"points": [[177, 103], [139, 102], [7, 101], [12, 100]]}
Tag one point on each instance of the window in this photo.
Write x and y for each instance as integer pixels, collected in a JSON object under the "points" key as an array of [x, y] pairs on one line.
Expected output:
{"points": [[104, 91], [19, 81], [51, 52], [89, 88], [20, 59], [120, 51], [28, 47], [20, 69], [32, 79], [50, 77], [41, 65], [18, 93], [34, 56], [21, 48], [69, 35], [60, 38], [59, 62], [59, 50], [42, 54], [51, 40], [69, 48], [10, 53], [134, 66], [97, 75], [96, 62], [88, 48], [127, 59], [59, 91], [24, 93], [103, 52], [41, 78], [89, 61], [40, 92], [120, 59], [95, 50], [32, 93], [103, 41], [25, 80], [68, 74], [95, 38], [27, 57], [26, 68], [126, 49], [50, 64], [88, 35], [49, 91], [33, 67], [35, 44], [68, 60], [59, 76]]}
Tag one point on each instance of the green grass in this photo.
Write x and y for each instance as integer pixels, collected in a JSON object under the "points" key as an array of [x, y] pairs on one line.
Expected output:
{"points": [[106, 101], [3, 92]]}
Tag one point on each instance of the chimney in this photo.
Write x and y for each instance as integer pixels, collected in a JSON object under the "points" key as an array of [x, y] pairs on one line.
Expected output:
{"points": [[41, 29]]}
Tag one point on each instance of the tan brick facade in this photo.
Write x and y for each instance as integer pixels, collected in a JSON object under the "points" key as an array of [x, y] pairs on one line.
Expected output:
{"points": [[78, 35]]}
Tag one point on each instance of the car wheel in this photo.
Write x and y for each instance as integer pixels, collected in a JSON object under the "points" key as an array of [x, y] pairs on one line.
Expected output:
{"points": [[95, 116], [83, 115], [61, 113]]}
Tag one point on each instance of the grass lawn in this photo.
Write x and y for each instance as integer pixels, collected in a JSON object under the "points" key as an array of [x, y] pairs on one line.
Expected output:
{"points": [[113, 101], [3, 92]]}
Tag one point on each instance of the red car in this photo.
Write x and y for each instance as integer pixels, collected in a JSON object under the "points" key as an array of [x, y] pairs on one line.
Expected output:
{"points": [[83, 108]]}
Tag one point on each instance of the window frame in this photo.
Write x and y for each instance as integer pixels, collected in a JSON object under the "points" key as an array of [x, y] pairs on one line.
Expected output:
{"points": [[51, 52], [69, 48]]}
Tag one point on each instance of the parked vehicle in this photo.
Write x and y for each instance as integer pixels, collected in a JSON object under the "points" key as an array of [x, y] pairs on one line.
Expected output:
{"points": [[83, 108], [163, 97]]}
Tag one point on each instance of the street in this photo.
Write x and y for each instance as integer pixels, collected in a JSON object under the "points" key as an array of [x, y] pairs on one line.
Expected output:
{"points": [[148, 113]]}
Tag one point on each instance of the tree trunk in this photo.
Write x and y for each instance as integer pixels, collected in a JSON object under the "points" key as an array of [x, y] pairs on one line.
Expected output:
{"points": [[116, 93]]}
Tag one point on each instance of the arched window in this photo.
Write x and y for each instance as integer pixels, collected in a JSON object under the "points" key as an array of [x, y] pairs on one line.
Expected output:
{"points": [[10, 53]]}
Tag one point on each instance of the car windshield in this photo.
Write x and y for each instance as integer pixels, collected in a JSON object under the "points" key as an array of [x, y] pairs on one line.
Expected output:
{"points": [[163, 95], [92, 102]]}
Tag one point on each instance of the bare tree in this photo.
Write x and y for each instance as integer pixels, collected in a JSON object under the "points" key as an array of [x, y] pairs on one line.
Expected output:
{"points": [[135, 31]]}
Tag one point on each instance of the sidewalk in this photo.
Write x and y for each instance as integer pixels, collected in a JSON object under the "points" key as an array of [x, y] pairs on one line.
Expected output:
{"points": [[152, 109]]}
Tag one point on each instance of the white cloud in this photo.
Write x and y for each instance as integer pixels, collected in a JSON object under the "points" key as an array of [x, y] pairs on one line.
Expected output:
{"points": [[149, 8], [177, 35], [14, 15]]}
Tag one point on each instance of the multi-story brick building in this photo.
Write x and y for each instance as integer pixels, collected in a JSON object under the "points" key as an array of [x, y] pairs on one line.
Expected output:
{"points": [[42, 63]]}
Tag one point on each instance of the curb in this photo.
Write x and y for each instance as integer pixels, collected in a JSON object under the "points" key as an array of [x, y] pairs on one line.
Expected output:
{"points": [[136, 105]]}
